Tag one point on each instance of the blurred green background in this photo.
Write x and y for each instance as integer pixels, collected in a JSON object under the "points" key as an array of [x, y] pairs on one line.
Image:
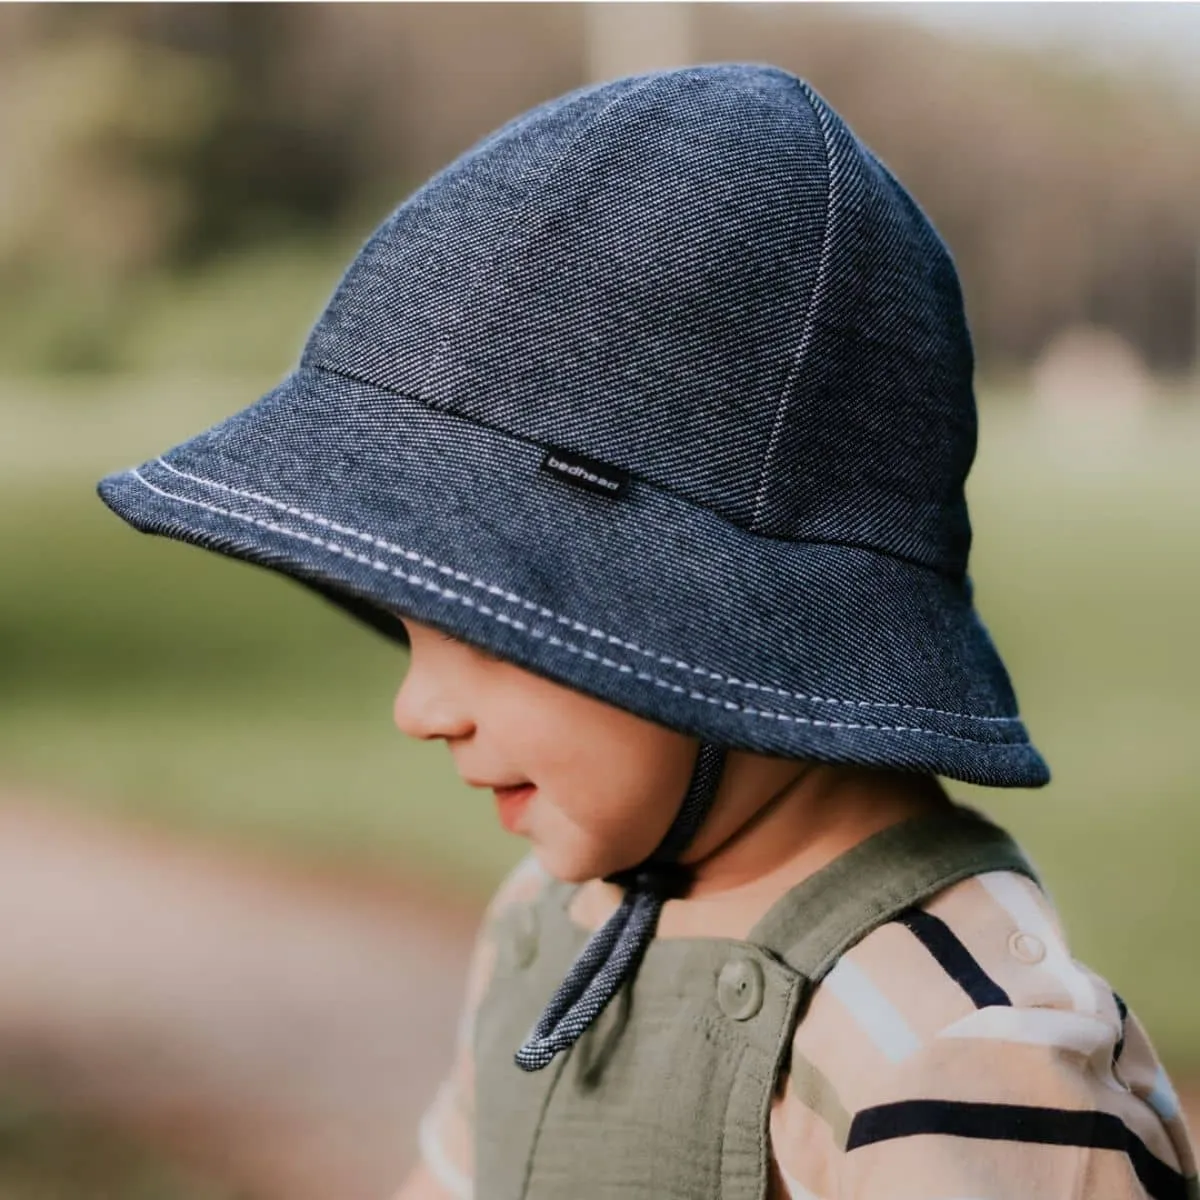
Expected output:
{"points": [[180, 187]]}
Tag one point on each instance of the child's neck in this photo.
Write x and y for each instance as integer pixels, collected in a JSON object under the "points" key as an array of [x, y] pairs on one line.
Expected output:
{"points": [[823, 814]]}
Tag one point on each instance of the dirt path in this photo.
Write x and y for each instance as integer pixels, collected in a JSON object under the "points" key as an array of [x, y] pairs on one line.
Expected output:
{"points": [[282, 1031]]}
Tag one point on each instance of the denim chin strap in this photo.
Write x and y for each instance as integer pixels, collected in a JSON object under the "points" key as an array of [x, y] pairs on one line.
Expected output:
{"points": [[614, 950]]}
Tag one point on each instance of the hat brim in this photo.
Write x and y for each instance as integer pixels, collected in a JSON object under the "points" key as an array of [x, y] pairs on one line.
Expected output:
{"points": [[825, 651]]}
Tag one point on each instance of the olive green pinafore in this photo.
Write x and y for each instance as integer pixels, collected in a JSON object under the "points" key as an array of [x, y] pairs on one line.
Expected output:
{"points": [[667, 1096]]}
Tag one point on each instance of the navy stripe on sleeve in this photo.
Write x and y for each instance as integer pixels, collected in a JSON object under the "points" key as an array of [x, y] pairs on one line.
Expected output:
{"points": [[954, 958], [1017, 1123]]}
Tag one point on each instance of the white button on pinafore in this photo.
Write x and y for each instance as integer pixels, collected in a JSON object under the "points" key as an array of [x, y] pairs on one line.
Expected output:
{"points": [[1026, 947]]}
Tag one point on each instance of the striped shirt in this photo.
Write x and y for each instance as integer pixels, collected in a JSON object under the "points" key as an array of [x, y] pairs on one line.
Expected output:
{"points": [[957, 1053]]}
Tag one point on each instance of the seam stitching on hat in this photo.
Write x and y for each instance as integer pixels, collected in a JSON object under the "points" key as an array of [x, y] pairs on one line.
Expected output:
{"points": [[540, 180], [528, 439], [492, 589], [542, 635], [806, 331], [541, 610]]}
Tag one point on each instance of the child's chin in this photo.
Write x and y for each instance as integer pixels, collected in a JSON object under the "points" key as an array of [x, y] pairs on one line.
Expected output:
{"points": [[565, 866]]}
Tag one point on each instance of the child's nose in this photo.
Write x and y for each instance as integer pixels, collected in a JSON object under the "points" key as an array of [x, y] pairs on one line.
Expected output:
{"points": [[423, 713]]}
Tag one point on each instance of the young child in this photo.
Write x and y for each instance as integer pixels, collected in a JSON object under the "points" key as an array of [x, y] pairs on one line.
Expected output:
{"points": [[645, 424]]}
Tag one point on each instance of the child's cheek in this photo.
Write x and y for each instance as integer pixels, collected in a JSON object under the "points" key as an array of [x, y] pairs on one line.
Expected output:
{"points": [[565, 846]]}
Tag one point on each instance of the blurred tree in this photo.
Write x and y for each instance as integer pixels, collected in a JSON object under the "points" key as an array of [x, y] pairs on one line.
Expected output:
{"points": [[625, 39], [95, 132], [1066, 198], [138, 137]]}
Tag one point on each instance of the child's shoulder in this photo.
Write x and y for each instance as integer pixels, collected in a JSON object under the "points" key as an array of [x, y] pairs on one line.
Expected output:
{"points": [[971, 1005], [524, 883], [516, 891], [510, 904], [985, 959]]}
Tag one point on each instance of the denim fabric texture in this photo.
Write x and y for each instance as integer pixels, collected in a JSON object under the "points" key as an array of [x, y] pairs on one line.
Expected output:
{"points": [[702, 280]]}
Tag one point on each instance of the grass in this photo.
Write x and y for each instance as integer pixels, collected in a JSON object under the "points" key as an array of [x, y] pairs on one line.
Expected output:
{"points": [[180, 687], [146, 678], [246, 312], [1087, 574]]}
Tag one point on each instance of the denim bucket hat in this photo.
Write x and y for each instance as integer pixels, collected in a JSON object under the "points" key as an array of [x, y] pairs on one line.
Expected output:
{"points": [[662, 391]]}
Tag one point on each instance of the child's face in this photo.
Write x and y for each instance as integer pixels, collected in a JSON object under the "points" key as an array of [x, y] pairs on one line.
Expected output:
{"points": [[606, 784]]}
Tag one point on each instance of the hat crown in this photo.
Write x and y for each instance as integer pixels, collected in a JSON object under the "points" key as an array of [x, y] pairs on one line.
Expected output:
{"points": [[701, 277]]}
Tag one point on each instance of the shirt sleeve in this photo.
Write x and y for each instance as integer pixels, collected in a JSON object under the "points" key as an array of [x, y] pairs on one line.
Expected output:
{"points": [[446, 1131], [961, 1053], [1017, 1104]]}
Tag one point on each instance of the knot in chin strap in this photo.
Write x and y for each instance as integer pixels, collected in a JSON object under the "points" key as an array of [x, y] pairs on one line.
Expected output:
{"points": [[666, 880], [613, 952]]}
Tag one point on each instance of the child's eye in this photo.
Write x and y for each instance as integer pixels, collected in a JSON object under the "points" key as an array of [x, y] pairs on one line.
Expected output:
{"points": [[446, 637]]}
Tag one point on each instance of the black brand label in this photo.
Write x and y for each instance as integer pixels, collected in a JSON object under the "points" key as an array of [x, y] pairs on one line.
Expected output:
{"points": [[586, 472]]}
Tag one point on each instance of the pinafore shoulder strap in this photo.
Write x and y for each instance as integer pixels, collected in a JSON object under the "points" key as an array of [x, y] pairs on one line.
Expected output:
{"points": [[816, 922]]}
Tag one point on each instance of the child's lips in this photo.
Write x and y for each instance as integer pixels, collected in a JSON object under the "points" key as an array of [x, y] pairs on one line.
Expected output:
{"points": [[512, 803]]}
